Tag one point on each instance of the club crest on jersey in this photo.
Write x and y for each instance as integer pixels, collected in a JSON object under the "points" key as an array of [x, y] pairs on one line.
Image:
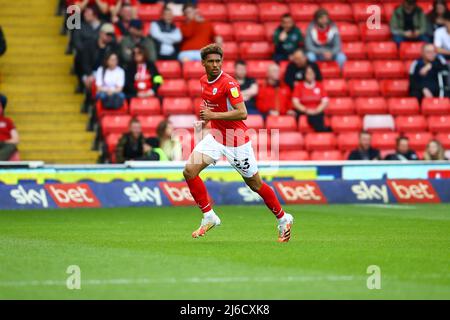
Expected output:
{"points": [[214, 91], [234, 92]]}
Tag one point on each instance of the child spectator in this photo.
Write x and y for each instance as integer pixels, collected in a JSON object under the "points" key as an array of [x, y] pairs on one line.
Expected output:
{"points": [[110, 80], [295, 70], [409, 23], [249, 86], [9, 138], [287, 38], [365, 150], [435, 151], [403, 152]]}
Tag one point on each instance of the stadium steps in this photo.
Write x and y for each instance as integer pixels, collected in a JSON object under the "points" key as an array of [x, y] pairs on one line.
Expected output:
{"points": [[35, 77]]}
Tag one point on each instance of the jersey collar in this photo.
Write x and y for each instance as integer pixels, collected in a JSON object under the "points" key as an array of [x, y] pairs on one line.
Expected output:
{"points": [[220, 74]]}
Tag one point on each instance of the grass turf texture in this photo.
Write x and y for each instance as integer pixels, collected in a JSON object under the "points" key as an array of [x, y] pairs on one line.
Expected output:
{"points": [[148, 253]]}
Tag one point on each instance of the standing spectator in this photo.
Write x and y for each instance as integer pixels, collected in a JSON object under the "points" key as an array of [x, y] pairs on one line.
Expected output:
{"points": [[323, 41], [435, 151], [170, 145], [110, 80], [249, 86], [2, 42], [287, 38], [273, 97], [428, 75], [142, 76], [295, 70], [197, 33], [9, 138], [311, 99], [436, 16], [442, 37], [365, 150], [403, 152], [134, 38], [409, 23], [166, 36], [89, 31]]}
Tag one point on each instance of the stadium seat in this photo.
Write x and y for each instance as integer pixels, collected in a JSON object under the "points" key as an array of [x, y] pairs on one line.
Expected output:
{"points": [[249, 31], [242, 12], [426, 6], [381, 34], [258, 68], [101, 111], [327, 155], [173, 88], [320, 141], [197, 104], [291, 155], [270, 28], [439, 124], [150, 123], [183, 121], [213, 11], [371, 105], [225, 30], [290, 141], [228, 67], [379, 123], [177, 106], [395, 88], [145, 106], [354, 50], [335, 87], [303, 11], [360, 11], [419, 140], [194, 88], [193, 70], [348, 141], [169, 69], [388, 9], [435, 106], [410, 50], [111, 142], [348, 31], [303, 26], [150, 12], [283, 123], [389, 69], [340, 106], [382, 50], [272, 11], [444, 138], [230, 50], [403, 106], [339, 11], [384, 140], [346, 123], [415, 123], [255, 50], [357, 69], [329, 69], [303, 125], [363, 88], [254, 121], [115, 124]]}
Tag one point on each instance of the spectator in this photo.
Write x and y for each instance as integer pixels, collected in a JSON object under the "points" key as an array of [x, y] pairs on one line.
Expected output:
{"points": [[134, 38], [311, 99], [273, 96], [197, 33], [103, 7], [249, 86], [323, 41], [409, 23], [436, 16], [9, 138], [365, 150], [123, 23], [116, 7], [2, 42], [434, 152], [295, 70], [402, 153], [442, 37], [169, 144], [133, 146], [428, 75], [142, 76], [89, 31], [287, 38], [166, 36], [110, 80]]}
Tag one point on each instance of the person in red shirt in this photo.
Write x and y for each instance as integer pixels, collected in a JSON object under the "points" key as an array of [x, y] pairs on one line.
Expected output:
{"points": [[311, 99], [9, 138], [224, 108]]}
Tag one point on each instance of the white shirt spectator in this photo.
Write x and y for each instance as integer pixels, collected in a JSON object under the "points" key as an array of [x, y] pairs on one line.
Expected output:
{"points": [[168, 38], [111, 79], [442, 38]]}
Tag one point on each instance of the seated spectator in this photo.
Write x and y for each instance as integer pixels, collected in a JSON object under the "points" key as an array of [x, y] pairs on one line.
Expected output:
{"points": [[116, 7], [2, 42], [409, 23], [89, 30], [295, 70], [273, 96], [287, 38], [133, 146], [9, 138], [365, 150], [310, 98], [442, 37], [166, 36], [110, 80], [142, 76], [434, 152], [197, 33], [169, 144], [104, 7], [436, 17], [402, 153], [249, 86], [134, 38], [123, 23], [428, 75], [323, 41]]}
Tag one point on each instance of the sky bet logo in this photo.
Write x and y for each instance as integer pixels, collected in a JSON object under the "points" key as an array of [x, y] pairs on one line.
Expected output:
{"points": [[373, 192], [30, 197], [295, 192], [72, 195], [178, 193]]}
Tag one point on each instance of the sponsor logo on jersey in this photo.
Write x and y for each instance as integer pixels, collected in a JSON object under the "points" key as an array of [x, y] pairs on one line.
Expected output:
{"points": [[413, 191], [294, 192], [234, 92], [214, 91], [72, 195]]}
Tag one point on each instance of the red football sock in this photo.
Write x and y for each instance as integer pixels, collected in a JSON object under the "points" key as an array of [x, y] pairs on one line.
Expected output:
{"points": [[271, 200], [199, 193]]}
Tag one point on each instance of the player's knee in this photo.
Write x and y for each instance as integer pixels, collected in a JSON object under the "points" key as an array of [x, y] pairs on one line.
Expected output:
{"points": [[189, 173], [254, 185]]}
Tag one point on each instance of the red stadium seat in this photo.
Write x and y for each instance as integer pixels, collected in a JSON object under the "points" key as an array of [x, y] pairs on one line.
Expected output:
{"points": [[213, 11], [364, 88], [419, 140], [411, 123], [225, 30], [320, 141], [444, 138], [193, 70], [150, 123], [169, 69], [303, 11], [183, 121], [395, 88], [111, 142], [258, 68], [385, 69], [346, 123], [177, 106], [358, 69], [230, 50], [348, 141], [388, 9], [297, 155], [283, 123], [115, 124], [270, 28], [290, 141], [403, 106], [340, 106], [173, 88], [382, 50], [228, 67], [255, 50], [145, 106], [272, 11], [249, 31], [372, 105], [242, 12], [254, 121], [410, 50], [426, 6], [384, 140], [101, 111], [194, 88], [348, 31], [150, 12], [381, 34], [339, 11], [303, 125], [303, 25], [435, 106], [335, 87], [360, 11], [354, 50], [439, 124], [329, 69], [327, 155]]}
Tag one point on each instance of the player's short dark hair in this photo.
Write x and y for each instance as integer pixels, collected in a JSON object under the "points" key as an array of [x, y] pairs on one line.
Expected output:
{"points": [[212, 48], [241, 62]]}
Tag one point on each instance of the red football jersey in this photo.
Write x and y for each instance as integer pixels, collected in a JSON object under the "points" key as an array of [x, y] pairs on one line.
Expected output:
{"points": [[221, 95], [309, 96]]}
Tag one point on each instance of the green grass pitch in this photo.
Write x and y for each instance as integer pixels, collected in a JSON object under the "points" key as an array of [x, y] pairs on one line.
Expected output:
{"points": [[148, 253]]}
